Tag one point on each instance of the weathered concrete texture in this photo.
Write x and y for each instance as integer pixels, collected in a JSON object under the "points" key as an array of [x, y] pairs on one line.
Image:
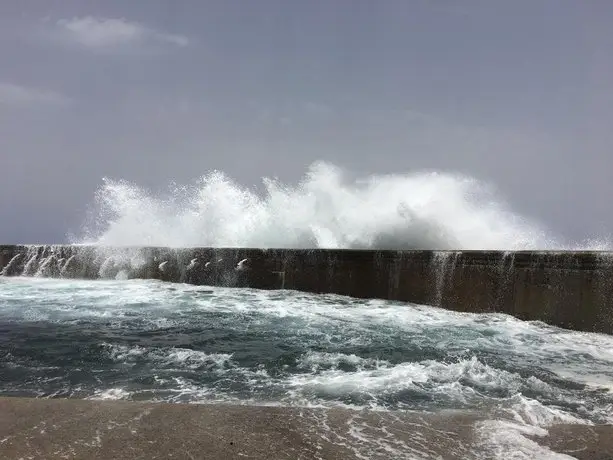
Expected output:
{"points": [[568, 289], [78, 429]]}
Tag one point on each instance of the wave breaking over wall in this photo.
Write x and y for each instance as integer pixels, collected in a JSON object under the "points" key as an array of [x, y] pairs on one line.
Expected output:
{"points": [[436, 211], [568, 289]]}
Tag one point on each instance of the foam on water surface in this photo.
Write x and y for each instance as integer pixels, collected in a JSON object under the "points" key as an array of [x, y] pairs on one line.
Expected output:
{"points": [[146, 340]]}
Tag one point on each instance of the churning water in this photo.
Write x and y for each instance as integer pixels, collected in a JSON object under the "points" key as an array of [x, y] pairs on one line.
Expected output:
{"points": [[148, 340]]}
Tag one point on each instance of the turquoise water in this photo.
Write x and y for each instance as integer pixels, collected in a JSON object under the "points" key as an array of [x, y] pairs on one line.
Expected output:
{"points": [[151, 340], [148, 340]]}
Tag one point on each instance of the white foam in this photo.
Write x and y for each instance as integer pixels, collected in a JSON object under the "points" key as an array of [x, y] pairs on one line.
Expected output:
{"points": [[325, 210], [531, 412], [111, 394], [456, 380], [168, 356], [505, 440], [314, 360], [524, 419]]}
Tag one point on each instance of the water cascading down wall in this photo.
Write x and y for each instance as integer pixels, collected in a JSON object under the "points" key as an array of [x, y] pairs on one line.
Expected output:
{"points": [[568, 289]]}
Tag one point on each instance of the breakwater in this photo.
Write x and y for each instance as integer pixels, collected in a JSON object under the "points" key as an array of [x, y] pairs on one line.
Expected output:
{"points": [[568, 289]]}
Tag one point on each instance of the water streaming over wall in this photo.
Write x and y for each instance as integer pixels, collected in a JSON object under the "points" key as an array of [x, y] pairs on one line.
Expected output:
{"points": [[444, 267]]}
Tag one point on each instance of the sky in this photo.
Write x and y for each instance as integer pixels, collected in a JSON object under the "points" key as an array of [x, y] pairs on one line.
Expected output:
{"points": [[518, 94]]}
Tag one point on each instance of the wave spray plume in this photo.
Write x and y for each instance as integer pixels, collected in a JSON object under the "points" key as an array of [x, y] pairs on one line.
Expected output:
{"points": [[402, 211]]}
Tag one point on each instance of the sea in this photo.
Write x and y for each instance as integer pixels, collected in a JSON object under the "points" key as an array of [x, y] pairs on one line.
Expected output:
{"points": [[146, 340]]}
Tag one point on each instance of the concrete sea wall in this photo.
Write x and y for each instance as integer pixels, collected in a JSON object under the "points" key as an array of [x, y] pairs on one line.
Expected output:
{"points": [[567, 289]]}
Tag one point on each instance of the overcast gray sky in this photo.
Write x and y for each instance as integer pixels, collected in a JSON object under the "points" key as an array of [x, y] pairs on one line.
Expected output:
{"points": [[518, 93]]}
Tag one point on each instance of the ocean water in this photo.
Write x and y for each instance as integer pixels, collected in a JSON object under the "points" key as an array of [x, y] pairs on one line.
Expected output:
{"points": [[151, 341]]}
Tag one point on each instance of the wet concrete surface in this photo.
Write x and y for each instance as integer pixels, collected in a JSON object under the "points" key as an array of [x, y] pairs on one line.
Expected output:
{"points": [[80, 429]]}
